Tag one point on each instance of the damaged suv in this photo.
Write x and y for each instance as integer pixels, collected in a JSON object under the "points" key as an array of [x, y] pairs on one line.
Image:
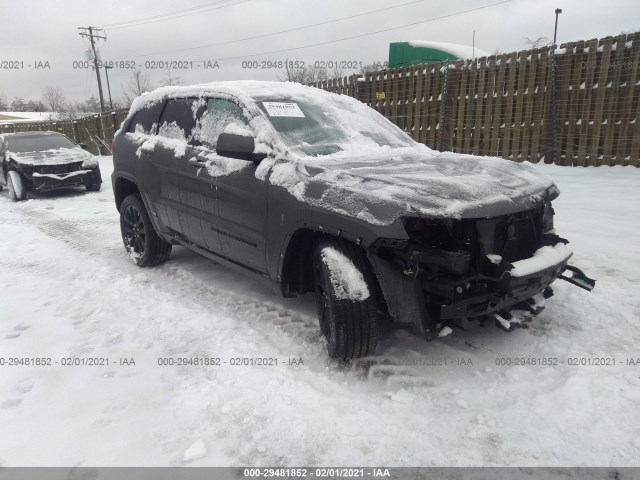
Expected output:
{"points": [[316, 192], [43, 161]]}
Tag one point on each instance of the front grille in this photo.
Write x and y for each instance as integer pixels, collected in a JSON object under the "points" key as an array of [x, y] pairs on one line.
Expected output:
{"points": [[517, 236], [58, 169]]}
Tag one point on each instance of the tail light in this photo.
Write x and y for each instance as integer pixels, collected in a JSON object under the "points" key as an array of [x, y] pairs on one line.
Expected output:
{"points": [[113, 145]]}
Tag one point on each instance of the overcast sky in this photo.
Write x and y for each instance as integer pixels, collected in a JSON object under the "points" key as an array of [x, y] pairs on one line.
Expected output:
{"points": [[46, 31]]}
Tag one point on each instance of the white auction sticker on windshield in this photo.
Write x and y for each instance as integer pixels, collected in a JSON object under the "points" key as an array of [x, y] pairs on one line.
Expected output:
{"points": [[283, 109]]}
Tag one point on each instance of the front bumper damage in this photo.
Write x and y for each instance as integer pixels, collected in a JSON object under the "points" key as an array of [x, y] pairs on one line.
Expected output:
{"points": [[506, 293], [46, 178]]}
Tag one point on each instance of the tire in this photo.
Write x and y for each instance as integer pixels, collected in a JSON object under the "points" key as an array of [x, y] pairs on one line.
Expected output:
{"points": [[93, 187], [15, 185], [348, 326], [139, 236]]}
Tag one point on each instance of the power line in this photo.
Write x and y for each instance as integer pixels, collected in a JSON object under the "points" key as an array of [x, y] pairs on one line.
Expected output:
{"points": [[172, 15], [365, 34], [321, 23], [281, 31]]}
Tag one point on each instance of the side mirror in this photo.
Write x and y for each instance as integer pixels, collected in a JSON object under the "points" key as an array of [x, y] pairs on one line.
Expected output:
{"points": [[83, 146], [238, 146]]}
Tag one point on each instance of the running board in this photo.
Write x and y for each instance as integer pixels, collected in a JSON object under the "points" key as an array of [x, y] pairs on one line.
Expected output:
{"points": [[578, 278]]}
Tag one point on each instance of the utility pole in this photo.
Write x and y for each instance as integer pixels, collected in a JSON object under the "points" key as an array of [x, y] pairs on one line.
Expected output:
{"points": [[92, 36], [106, 74]]}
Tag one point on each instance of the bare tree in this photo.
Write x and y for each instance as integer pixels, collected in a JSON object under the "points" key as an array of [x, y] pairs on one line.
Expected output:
{"points": [[536, 42], [138, 84], [336, 73], [169, 80], [4, 106], [374, 66], [18, 104], [314, 73], [54, 99], [296, 71]]}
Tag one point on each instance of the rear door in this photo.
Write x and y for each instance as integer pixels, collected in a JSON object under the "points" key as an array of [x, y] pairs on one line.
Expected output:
{"points": [[234, 200], [172, 152]]}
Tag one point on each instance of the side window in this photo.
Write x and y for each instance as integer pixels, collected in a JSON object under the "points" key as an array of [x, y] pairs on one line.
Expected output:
{"points": [[145, 118], [177, 119], [220, 116]]}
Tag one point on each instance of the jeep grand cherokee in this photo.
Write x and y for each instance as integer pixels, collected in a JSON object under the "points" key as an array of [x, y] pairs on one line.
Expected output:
{"points": [[316, 192]]}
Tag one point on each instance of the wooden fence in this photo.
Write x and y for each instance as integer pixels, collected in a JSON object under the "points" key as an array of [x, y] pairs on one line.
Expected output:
{"points": [[83, 130], [585, 111], [577, 105]]}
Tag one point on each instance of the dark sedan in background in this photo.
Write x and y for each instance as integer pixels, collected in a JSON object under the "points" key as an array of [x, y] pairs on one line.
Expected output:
{"points": [[43, 161]]}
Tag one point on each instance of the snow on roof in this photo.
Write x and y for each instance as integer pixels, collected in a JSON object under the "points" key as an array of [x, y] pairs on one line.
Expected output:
{"points": [[463, 52], [18, 117], [243, 90]]}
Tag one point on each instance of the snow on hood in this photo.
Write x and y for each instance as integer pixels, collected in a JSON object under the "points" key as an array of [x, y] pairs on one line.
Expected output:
{"points": [[56, 157], [379, 187]]}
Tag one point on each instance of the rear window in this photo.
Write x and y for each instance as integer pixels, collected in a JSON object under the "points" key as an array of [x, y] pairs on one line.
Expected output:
{"points": [[145, 117]]}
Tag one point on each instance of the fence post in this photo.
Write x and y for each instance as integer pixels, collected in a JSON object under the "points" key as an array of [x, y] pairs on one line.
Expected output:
{"points": [[554, 106], [443, 105]]}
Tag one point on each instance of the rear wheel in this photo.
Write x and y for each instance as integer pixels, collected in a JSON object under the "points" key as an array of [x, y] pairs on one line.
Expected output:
{"points": [[16, 186], [349, 325], [93, 187], [139, 236]]}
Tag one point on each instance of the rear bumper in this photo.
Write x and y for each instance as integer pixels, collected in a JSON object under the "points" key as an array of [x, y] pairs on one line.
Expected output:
{"points": [[42, 182]]}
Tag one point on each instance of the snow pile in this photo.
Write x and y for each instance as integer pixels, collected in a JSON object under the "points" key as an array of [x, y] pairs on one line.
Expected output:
{"points": [[347, 281], [542, 259]]}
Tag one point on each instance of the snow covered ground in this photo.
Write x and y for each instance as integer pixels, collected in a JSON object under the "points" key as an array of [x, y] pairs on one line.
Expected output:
{"points": [[68, 290]]}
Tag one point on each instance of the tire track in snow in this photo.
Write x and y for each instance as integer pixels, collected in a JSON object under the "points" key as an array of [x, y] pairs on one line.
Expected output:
{"points": [[271, 319], [80, 234]]}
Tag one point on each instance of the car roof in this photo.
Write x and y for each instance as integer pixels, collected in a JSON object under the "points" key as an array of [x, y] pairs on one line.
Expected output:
{"points": [[29, 134], [246, 91]]}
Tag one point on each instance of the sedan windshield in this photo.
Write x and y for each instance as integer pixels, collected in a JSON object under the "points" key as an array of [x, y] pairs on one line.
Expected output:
{"points": [[323, 125], [37, 143]]}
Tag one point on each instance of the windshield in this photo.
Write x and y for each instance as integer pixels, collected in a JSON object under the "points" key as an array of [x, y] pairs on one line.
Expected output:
{"points": [[322, 125], [37, 143]]}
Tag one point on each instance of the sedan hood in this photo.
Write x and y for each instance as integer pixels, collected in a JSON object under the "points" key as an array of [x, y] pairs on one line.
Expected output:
{"points": [[59, 156], [381, 186]]}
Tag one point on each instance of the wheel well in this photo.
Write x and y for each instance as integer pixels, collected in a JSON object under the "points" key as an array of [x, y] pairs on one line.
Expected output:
{"points": [[123, 189], [297, 268]]}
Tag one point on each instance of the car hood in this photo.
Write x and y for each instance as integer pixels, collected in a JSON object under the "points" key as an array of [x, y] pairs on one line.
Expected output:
{"points": [[59, 156], [393, 182]]}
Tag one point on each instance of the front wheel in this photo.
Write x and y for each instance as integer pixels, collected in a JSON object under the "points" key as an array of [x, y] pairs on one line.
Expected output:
{"points": [[139, 236], [93, 187], [346, 298], [16, 186]]}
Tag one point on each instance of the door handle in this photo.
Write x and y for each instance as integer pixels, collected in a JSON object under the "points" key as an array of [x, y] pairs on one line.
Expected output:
{"points": [[194, 162]]}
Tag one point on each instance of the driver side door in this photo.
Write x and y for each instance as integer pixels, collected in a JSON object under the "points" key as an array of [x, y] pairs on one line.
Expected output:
{"points": [[234, 201]]}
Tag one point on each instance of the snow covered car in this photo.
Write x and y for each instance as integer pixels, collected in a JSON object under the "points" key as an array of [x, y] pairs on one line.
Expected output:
{"points": [[316, 192], [42, 161]]}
